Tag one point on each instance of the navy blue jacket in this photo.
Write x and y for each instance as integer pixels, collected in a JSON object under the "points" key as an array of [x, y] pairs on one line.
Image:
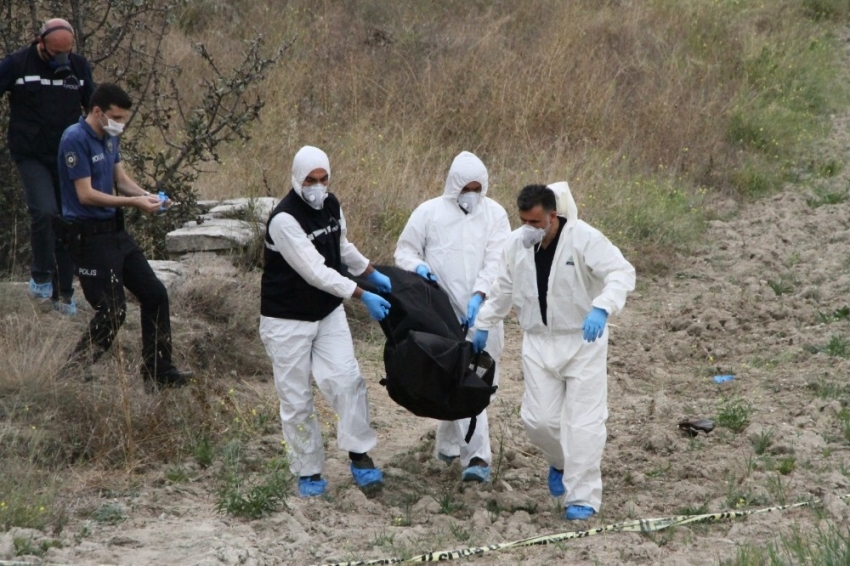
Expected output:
{"points": [[42, 105]]}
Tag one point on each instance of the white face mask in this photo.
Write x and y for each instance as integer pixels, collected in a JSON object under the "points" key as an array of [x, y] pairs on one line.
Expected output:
{"points": [[532, 236], [315, 195], [467, 201], [112, 127]]}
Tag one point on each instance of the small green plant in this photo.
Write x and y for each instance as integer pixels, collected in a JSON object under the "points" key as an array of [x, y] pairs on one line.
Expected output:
{"points": [[109, 514], [177, 474], [829, 390], [787, 465], [26, 547], [824, 197], [383, 539], [762, 441], [460, 533], [447, 502], [844, 422], [203, 451], [777, 489], [734, 414], [252, 497], [493, 510], [659, 471], [838, 314], [838, 347], [782, 286]]}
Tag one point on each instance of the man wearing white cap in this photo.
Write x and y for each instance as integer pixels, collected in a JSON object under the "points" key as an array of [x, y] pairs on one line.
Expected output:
{"points": [[563, 279], [457, 239], [304, 328]]}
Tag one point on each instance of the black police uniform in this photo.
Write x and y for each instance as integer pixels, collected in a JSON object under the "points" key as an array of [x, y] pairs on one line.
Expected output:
{"points": [[108, 259], [43, 101]]}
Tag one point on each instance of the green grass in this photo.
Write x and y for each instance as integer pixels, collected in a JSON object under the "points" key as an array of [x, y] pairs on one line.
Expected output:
{"points": [[448, 502], [248, 487], [734, 414], [838, 346], [762, 441], [109, 514], [838, 314], [823, 547], [782, 286], [826, 196]]}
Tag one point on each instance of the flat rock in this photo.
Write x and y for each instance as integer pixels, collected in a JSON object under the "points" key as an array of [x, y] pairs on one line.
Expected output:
{"points": [[258, 208], [169, 272], [217, 235]]}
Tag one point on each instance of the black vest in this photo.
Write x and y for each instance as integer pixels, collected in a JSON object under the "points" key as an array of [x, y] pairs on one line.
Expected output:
{"points": [[41, 105], [284, 293]]}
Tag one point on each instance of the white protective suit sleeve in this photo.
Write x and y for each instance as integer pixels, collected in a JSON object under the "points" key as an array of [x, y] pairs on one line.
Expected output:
{"points": [[499, 301], [606, 262], [411, 244], [300, 253], [350, 255], [499, 232]]}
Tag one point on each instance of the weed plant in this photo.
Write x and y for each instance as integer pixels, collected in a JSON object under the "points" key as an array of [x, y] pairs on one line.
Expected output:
{"points": [[734, 414], [828, 546], [762, 441]]}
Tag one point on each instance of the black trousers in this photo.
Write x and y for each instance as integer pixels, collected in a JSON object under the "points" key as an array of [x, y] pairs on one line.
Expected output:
{"points": [[50, 260], [106, 264]]}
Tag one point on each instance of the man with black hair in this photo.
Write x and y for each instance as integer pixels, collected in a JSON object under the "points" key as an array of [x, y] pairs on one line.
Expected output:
{"points": [[563, 279], [49, 86], [107, 258]]}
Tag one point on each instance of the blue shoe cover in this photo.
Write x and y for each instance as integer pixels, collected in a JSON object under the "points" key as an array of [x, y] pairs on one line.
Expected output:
{"points": [[446, 458], [579, 513], [41, 290], [476, 473], [311, 488], [68, 309], [367, 477], [556, 482]]}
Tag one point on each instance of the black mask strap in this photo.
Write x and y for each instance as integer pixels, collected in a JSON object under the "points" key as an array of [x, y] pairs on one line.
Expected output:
{"points": [[47, 32]]}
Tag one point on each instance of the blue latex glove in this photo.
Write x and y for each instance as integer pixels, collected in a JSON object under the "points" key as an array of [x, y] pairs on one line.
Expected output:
{"points": [[594, 324], [479, 341], [472, 308], [423, 271], [377, 306], [380, 281]]}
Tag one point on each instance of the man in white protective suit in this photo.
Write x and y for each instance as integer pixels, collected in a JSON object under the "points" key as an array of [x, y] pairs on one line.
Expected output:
{"points": [[457, 240], [563, 279], [304, 328]]}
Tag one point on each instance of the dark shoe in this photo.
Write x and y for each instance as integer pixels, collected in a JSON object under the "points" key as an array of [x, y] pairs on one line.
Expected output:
{"points": [[172, 378]]}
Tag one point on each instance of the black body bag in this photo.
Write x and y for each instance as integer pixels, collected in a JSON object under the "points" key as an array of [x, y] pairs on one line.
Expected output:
{"points": [[431, 369]]}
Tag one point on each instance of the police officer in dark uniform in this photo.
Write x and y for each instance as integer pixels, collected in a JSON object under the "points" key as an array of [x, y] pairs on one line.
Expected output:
{"points": [[49, 85], [106, 256]]}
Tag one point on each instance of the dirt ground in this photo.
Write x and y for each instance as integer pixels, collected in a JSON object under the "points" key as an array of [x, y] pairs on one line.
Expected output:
{"points": [[760, 299]]}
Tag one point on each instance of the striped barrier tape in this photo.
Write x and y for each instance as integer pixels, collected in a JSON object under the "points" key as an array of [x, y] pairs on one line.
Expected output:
{"points": [[635, 526]]}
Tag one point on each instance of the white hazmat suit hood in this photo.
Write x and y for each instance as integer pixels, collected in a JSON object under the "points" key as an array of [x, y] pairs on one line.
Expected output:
{"points": [[466, 168], [565, 205], [307, 159]]}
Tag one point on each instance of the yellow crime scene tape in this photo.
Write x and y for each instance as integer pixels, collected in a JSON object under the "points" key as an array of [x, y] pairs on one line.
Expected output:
{"points": [[635, 526]]}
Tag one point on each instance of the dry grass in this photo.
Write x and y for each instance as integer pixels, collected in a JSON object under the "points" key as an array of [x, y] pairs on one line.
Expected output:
{"points": [[612, 96]]}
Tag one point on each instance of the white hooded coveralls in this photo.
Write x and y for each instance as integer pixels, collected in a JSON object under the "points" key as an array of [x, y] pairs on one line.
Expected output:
{"points": [[325, 348], [564, 406], [463, 251]]}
